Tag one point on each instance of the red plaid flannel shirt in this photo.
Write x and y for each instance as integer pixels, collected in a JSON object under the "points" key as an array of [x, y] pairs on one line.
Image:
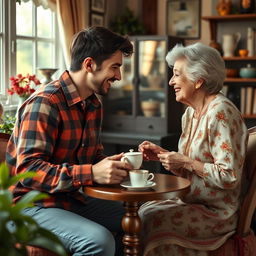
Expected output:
{"points": [[57, 136]]}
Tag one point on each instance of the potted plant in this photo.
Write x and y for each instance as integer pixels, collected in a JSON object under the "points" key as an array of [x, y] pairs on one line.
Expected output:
{"points": [[7, 124], [23, 86], [16, 229], [127, 24]]}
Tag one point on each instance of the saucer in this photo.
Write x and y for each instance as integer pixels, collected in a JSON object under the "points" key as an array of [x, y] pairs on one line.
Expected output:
{"points": [[127, 184]]}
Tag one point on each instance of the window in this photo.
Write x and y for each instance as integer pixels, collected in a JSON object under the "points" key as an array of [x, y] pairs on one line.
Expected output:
{"points": [[31, 42], [1, 49]]}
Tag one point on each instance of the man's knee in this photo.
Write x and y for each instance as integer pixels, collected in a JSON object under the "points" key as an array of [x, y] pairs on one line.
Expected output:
{"points": [[102, 243]]}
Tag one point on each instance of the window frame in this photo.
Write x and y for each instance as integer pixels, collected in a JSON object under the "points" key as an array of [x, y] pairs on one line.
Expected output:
{"points": [[9, 39]]}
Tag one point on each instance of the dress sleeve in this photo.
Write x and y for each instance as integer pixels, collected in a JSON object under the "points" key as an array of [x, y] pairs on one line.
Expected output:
{"points": [[227, 139]]}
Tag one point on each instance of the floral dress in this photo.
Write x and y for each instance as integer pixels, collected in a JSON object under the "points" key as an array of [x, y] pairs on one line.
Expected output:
{"points": [[207, 216]]}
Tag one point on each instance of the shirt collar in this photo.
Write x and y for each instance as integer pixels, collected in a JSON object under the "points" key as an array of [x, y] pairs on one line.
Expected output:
{"points": [[71, 93]]}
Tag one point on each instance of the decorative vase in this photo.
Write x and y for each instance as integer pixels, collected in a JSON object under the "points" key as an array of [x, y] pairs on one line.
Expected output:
{"points": [[250, 41], [247, 6], [22, 99], [47, 73], [229, 44], [224, 7]]}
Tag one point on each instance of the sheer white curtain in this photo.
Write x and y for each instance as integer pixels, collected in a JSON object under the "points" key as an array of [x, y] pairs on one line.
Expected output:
{"points": [[71, 19]]}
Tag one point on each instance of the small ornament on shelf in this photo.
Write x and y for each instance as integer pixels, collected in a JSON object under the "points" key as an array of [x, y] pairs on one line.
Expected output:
{"points": [[47, 73], [247, 6], [224, 7]]}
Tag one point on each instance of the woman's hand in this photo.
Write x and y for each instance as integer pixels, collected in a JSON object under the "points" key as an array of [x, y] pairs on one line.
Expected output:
{"points": [[172, 160], [150, 150]]}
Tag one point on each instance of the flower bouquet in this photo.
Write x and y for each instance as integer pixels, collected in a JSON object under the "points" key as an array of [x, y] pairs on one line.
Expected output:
{"points": [[23, 86]]}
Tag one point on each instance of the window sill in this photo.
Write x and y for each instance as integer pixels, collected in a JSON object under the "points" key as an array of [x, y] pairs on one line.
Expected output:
{"points": [[8, 108]]}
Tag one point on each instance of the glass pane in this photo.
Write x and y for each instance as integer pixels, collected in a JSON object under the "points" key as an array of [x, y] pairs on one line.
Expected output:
{"points": [[1, 15], [152, 77], [1, 66], [24, 57], [24, 18], [121, 93], [44, 22], [45, 55]]}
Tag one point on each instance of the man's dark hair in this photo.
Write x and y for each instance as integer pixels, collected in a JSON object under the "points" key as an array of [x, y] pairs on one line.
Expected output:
{"points": [[98, 43]]}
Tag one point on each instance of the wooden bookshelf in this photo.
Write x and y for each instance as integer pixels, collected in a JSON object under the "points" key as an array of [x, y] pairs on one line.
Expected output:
{"points": [[230, 17], [238, 58], [213, 21], [237, 86], [239, 80], [249, 116]]}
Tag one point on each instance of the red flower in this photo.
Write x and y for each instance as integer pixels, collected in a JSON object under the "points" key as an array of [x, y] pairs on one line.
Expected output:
{"points": [[24, 86]]}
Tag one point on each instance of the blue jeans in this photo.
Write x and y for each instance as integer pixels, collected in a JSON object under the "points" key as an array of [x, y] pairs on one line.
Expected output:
{"points": [[87, 229]]}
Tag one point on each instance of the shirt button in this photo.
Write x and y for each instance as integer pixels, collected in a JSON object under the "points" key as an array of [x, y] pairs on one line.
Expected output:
{"points": [[83, 145]]}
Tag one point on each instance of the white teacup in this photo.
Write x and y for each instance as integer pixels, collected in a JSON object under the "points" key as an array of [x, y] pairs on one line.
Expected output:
{"points": [[140, 178], [133, 158]]}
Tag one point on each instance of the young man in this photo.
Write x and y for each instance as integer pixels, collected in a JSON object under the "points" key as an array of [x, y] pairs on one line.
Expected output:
{"points": [[57, 135]]}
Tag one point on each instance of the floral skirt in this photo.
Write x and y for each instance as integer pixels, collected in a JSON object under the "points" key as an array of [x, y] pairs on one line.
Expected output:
{"points": [[172, 227]]}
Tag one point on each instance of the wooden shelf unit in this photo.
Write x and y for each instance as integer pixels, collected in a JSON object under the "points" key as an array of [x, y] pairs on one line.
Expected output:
{"points": [[239, 80], [235, 83], [213, 21], [235, 58], [249, 116]]}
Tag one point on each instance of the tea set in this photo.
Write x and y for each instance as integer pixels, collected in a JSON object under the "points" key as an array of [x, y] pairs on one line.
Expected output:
{"points": [[139, 179]]}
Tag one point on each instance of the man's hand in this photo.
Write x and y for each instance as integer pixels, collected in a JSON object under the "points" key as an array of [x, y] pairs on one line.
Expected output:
{"points": [[110, 170]]}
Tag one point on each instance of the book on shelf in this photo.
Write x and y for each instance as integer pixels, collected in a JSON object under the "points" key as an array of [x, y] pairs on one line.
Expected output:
{"points": [[254, 102], [224, 90], [242, 100], [249, 100]]}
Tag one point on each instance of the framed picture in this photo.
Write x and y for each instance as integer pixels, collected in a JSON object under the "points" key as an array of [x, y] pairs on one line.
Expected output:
{"points": [[184, 18], [96, 19], [98, 6]]}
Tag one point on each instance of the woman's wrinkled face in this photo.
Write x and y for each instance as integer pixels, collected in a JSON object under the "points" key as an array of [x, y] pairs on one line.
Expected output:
{"points": [[183, 87]]}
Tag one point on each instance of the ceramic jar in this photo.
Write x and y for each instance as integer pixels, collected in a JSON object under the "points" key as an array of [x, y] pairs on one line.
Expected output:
{"points": [[150, 108], [229, 43], [248, 72]]}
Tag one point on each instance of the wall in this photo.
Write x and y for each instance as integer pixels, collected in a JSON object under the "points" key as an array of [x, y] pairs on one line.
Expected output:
{"points": [[115, 7], [206, 9]]}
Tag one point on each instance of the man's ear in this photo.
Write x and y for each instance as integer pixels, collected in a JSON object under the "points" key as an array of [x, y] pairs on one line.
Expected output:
{"points": [[88, 64]]}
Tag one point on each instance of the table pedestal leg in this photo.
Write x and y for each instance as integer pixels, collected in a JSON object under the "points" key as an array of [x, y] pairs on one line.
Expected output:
{"points": [[131, 224]]}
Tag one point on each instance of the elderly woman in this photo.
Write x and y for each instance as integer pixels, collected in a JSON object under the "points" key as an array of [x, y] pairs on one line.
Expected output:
{"points": [[211, 155]]}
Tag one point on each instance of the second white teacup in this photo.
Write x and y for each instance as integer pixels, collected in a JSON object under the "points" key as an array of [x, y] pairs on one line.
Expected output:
{"points": [[133, 158], [140, 178]]}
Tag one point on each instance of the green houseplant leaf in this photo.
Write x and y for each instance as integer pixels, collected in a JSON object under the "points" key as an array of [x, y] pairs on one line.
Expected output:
{"points": [[7, 124], [16, 229]]}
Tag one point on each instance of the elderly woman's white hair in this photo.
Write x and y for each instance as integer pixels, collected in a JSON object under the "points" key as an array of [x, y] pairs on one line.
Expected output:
{"points": [[203, 62]]}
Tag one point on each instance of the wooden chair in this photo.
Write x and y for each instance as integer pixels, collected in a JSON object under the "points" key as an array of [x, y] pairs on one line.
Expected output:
{"points": [[32, 251], [243, 243]]}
